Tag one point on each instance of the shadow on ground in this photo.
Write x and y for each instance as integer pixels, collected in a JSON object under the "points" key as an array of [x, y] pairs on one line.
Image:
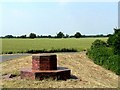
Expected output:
{"points": [[73, 77]]}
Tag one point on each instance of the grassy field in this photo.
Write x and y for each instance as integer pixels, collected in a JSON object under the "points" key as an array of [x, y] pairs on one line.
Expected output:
{"points": [[89, 74], [22, 45]]}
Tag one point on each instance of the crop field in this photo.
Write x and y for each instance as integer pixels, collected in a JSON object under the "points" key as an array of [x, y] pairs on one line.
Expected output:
{"points": [[23, 45], [88, 74]]}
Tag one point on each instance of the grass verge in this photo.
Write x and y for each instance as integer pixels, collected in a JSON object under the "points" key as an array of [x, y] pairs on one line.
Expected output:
{"points": [[89, 74]]}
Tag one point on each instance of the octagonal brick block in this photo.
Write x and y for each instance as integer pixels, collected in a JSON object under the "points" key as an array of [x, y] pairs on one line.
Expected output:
{"points": [[45, 66], [62, 74]]}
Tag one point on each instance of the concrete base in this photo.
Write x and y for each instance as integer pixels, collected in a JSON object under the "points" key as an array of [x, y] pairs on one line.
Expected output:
{"points": [[61, 73]]}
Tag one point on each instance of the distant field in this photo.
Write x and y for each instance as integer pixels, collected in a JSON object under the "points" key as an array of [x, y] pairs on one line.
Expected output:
{"points": [[22, 45]]}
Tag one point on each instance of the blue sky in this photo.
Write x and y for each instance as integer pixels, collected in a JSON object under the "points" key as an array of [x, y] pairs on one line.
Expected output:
{"points": [[44, 18]]}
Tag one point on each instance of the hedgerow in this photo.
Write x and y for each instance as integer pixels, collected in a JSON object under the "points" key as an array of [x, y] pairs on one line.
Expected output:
{"points": [[107, 54], [44, 51]]}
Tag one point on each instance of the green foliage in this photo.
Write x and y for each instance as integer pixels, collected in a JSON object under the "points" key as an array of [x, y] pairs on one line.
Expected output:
{"points": [[110, 40], [103, 55], [112, 63], [9, 36], [60, 35], [116, 44], [98, 43], [32, 35], [114, 41], [66, 36], [100, 55], [23, 36], [77, 35], [52, 50]]}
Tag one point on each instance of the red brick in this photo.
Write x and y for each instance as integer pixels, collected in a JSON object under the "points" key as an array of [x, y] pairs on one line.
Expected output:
{"points": [[45, 66], [44, 62], [62, 74]]}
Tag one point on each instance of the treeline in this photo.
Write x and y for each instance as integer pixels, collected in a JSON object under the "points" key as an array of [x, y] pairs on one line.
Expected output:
{"points": [[59, 35], [107, 54]]}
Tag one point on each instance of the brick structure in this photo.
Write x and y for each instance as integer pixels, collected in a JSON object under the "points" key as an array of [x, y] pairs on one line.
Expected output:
{"points": [[44, 62], [45, 66]]}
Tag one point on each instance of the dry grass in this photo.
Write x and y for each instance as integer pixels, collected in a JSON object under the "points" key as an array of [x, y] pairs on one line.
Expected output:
{"points": [[89, 74]]}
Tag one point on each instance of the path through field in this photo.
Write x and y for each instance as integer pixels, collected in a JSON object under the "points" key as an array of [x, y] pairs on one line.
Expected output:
{"points": [[4, 58], [89, 75]]}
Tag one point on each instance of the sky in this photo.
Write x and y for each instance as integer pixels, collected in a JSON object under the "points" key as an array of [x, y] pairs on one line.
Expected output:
{"points": [[48, 18]]}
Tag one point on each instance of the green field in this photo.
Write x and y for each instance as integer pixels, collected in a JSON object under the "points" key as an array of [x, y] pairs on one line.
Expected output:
{"points": [[22, 45]]}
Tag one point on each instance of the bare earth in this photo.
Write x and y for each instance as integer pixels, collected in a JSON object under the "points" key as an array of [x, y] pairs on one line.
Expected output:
{"points": [[89, 74]]}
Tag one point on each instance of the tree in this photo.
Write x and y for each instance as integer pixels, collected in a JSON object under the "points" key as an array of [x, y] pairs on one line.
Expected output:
{"points": [[110, 40], [60, 35], [49, 36], [23, 36], [66, 36], [114, 41], [32, 35], [9, 36], [117, 44], [77, 35]]}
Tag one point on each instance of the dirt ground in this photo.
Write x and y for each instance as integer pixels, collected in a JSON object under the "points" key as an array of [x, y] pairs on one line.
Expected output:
{"points": [[88, 74]]}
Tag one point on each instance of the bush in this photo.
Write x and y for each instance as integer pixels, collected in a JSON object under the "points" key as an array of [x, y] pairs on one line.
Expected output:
{"points": [[110, 40], [112, 63], [114, 41], [10, 52], [98, 43], [52, 50], [116, 44], [104, 56], [99, 55]]}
